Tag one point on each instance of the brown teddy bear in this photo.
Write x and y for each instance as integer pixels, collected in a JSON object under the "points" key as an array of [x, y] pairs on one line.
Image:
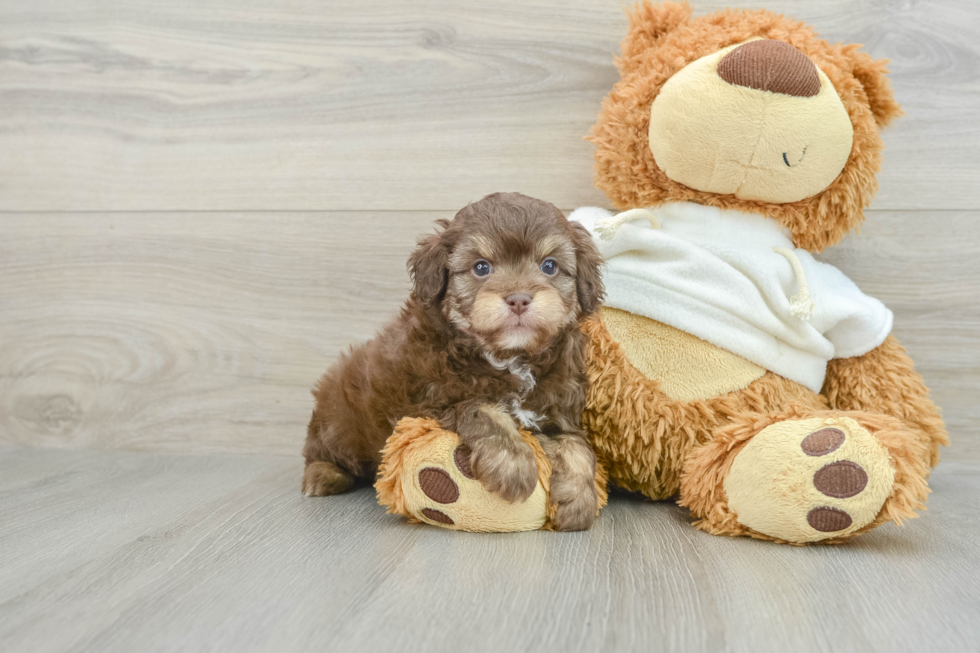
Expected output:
{"points": [[729, 365], [425, 476]]}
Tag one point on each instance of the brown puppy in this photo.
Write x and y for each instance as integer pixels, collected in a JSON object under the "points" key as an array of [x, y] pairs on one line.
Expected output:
{"points": [[488, 341]]}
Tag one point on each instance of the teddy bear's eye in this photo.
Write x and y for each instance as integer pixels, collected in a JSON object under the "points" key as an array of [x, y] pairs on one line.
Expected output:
{"points": [[549, 266], [482, 268]]}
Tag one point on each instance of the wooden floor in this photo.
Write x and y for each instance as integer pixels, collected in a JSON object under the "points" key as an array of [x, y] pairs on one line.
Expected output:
{"points": [[123, 551], [203, 203]]}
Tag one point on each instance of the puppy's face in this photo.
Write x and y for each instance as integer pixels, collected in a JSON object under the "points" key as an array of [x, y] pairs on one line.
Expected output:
{"points": [[513, 289], [510, 271]]}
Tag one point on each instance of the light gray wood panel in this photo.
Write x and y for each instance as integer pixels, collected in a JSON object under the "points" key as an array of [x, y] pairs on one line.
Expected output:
{"points": [[187, 331], [232, 105], [204, 332], [119, 551]]}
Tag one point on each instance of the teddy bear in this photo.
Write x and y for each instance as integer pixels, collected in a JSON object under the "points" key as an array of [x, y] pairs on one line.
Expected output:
{"points": [[728, 366], [425, 476]]}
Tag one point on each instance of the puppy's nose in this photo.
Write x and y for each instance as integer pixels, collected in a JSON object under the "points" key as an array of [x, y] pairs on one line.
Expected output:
{"points": [[770, 66], [518, 302]]}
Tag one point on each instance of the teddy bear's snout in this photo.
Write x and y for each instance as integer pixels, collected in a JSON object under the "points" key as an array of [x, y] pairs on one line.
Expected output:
{"points": [[738, 122], [773, 66]]}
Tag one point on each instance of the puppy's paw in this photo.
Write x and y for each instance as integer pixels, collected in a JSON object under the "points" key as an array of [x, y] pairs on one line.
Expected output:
{"points": [[507, 469], [321, 479], [576, 506]]}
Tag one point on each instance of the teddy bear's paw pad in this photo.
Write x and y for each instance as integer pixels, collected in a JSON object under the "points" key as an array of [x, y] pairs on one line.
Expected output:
{"points": [[842, 479], [828, 520], [440, 490], [822, 442], [810, 480], [461, 456], [438, 485], [437, 516]]}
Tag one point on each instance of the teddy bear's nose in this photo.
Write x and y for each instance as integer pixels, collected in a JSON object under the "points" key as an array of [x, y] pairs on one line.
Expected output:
{"points": [[770, 66]]}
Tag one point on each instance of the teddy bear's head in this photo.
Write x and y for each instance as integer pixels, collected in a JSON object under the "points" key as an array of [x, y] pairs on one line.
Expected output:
{"points": [[744, 110]]}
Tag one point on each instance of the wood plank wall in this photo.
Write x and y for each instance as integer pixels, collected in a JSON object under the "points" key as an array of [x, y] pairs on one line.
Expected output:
{"points": [[202, 202]]}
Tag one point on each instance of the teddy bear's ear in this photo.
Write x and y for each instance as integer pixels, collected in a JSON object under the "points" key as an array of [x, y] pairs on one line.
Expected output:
{"points": [[873, 75], [648, 23]]}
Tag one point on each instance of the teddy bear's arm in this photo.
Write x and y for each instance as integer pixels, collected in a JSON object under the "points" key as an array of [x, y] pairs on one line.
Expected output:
{"points": [[885, 381]]}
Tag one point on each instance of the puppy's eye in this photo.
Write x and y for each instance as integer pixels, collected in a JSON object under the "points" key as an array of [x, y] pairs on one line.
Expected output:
{"points": [[482, 268], [549, 266]]}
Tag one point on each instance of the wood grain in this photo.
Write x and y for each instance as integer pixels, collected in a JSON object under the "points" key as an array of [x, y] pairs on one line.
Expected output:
{"points": [[187, 332], [204, 332], [202, 203], [370, 104], [119, 551]]}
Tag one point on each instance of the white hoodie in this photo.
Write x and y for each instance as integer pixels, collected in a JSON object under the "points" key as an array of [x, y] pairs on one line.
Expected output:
{"points": [[735, 280]]}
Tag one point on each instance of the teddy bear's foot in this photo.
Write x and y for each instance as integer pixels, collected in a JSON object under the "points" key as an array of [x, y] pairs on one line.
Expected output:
{"points": [[806, 479], [810, 480], [425, 476]]}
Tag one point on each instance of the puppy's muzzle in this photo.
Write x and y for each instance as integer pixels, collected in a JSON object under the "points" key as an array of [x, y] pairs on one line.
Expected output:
{"points": [[518, 302]]}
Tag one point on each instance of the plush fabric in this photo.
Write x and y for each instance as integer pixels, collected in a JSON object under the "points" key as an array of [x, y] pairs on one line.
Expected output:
{"points": [[717, 274], [884, 380], [420, 444], [424, 477], [643, 436], [707, 467], [773, 483], [686, 367], [662, 40], [730, 368], [838, 434], [753, 144]]}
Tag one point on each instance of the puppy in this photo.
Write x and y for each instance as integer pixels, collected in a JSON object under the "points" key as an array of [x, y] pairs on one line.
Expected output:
{"points": [[489, 341]]}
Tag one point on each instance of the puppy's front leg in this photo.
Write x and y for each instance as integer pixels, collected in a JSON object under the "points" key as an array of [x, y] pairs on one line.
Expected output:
{"points": [[499, 457], [572, 480]]}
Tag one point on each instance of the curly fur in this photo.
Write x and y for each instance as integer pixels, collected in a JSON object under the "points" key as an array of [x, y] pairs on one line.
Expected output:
{"points": [[702, 482], [662, 40], [659, 446], [885, 381], [449, 357], [414, 434], [643, 436]]}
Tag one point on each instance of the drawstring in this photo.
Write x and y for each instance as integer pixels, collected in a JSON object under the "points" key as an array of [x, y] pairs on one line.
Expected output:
{"points": [[801, 304], [607, 227]]}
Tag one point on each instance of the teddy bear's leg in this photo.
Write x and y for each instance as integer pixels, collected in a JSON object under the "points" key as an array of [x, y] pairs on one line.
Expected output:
{"points": [[884, 381], [425, 476], [805, 476]]}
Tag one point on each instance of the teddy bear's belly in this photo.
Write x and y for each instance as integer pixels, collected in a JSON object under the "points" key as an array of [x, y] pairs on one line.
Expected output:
{"points": [[686, 367]]}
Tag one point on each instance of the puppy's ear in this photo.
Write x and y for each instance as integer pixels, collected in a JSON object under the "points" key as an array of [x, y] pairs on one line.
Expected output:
{"points": [[588, 276], [429, 267]]}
